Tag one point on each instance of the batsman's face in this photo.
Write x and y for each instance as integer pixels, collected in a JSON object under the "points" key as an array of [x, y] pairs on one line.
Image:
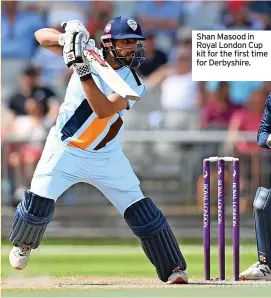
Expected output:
{"points": [[126, 48]]}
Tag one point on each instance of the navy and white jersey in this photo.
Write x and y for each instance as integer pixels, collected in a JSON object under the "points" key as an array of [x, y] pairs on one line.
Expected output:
{"points": [[78, 128], [264, 131]]}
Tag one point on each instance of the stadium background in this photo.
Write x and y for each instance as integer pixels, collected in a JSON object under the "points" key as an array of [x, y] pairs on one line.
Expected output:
{"points": [[177, 124]]}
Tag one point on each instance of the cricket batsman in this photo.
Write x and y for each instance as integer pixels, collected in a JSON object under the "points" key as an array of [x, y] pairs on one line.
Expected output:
{"points": [[262, 211], [84, 146]]}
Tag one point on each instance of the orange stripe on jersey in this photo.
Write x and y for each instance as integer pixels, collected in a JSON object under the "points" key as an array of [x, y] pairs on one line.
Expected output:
{"points": [[113, 131], [92, 132]]}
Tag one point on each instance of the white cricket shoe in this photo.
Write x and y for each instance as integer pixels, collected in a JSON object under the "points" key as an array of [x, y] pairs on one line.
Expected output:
{"points": [[19, 256], [257, 271], [178, 277]]}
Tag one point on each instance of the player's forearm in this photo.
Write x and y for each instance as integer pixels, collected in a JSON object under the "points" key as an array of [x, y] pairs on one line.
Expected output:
{"points": [[47, 37], [96, 99]]}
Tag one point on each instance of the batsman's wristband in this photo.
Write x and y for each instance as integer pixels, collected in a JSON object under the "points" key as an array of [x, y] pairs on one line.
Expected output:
{"points": [[86, 77], [83, 71]]}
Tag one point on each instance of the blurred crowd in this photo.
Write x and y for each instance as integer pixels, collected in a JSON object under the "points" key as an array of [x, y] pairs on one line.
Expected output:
{"points": [[34, 79]]}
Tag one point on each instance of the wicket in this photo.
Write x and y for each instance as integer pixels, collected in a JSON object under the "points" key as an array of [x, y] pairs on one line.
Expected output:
{"points": [[221, 215]]}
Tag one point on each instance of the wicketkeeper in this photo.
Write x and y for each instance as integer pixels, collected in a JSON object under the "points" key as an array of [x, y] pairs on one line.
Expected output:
{"points": [[262, 211]]}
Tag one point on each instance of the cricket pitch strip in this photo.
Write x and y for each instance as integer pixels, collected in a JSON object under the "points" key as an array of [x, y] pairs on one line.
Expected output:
{"points": [[48, 282]]}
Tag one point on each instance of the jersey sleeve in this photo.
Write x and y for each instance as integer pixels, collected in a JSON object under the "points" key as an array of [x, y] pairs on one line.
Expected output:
{"points": [[138, 87]]}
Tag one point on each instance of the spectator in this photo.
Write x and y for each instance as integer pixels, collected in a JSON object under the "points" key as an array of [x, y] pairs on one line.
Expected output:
{"points": [[238, 18], [18, 29], [60, 11], [239, 91], [184, 96], [260, 6], [179, 94], [4, 119], [32, 110], [247, 118], [260, 11], [124, 8], [202, 15], [218, 110], [29, 88], [183, 39], [30, 6], [162, 17], [101, 12], [23, 156], [154, 57], [179, 71]]}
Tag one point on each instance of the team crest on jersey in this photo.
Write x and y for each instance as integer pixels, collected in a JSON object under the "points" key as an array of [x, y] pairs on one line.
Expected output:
{"points": [[132, 24]]}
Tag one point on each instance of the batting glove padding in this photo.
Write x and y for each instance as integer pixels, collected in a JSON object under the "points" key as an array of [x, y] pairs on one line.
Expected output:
{"points": [[74, 26], [83, 69], [74, 46]]}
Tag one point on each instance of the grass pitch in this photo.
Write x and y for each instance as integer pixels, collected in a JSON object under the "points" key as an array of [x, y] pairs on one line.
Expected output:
{"points": [[120, 271]]}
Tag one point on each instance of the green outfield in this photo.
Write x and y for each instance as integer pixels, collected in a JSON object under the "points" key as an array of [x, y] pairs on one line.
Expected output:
{"points": [[116, 271]]}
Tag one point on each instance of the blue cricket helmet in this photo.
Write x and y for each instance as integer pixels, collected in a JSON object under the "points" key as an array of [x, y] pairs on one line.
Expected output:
{"points": [[123, 28]]}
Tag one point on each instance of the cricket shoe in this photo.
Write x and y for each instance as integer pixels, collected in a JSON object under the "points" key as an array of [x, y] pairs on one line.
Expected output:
{"points": [[19, 256], [178, 277], [257, 271]]}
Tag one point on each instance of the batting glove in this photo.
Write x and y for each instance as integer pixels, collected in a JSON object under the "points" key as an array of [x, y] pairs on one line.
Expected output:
{"points": [[72, 27], [74, 46], [83, 69]]}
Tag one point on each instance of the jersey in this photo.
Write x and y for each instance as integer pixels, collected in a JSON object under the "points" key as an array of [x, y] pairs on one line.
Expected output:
{"points": [[79, 130], [264, 131]]}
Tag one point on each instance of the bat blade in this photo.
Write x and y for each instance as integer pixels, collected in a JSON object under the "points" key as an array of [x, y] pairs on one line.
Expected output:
{"points": [[111, 78]]}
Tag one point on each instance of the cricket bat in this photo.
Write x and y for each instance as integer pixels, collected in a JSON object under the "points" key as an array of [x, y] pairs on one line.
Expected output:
{"points": [[111, 78], [108, 74]]}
